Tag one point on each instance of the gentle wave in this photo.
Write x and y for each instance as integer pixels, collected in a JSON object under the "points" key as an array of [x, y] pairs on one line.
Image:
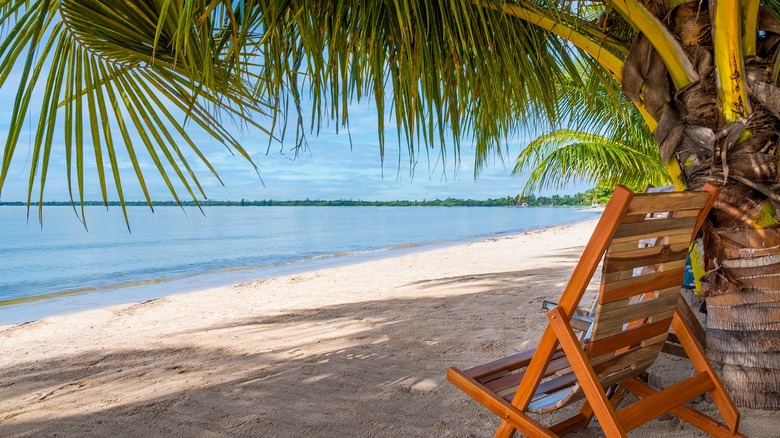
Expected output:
{"points": [[151, 276], [168, 252]]}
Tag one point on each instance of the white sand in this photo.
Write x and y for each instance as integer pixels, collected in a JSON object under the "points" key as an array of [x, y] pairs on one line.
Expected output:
{"points": [[353, 351]]}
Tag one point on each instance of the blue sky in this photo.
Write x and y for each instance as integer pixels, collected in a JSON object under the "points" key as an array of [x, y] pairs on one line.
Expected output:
{"points": [[329, 169]]}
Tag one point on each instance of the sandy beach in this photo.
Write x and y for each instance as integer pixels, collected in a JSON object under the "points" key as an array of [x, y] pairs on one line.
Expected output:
{"points": [[352, 351]]}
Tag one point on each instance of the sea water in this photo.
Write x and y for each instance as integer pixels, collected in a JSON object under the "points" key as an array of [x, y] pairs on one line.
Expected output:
{"points": [[62, 267]]}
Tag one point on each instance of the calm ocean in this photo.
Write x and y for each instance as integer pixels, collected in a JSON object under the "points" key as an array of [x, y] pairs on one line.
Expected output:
{"points": [[62, 268]]}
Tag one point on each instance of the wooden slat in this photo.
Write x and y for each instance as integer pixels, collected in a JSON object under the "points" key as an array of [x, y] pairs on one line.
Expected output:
{"points": [[629, 337], [578, 312], [679, 214], [617, 290], [662, 202], [668, 292], [618, 323], [654, 228], [641, 236], [613, 328], [621, 313], [640, 353], [625, 360], [626, 373], [636, 299], [660, 339], [547, 387], [512, 362], [646, 257], [610, 277], [581, 324], [635, 218], [631, 245], [580, 320], [674, 349], [646, 251], [658, 215], [512, 380], [556, 384]]}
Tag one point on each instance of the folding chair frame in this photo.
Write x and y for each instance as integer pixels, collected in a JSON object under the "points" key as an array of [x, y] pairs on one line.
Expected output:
{"points": [[559, 335]]}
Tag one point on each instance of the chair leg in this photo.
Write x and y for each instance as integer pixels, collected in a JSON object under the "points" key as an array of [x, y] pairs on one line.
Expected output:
{"points": [[587, 377], [700, 362], [533, 376], [577, 422], [616, 397], [688, 414], [505, 430], [505, 410]]}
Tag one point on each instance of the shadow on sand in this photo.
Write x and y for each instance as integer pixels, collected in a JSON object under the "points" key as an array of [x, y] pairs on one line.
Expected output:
{"points": [[374, 368]]}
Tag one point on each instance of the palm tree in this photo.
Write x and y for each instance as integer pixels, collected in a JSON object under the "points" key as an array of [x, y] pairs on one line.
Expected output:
{"points": [[97, 73]]}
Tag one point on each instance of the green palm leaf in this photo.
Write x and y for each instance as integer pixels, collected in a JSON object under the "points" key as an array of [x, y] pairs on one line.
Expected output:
{"points": [[565, 156], [119, 87]]}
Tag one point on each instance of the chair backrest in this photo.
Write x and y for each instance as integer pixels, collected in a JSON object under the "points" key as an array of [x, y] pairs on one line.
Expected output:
{"points": [[642, 273]]}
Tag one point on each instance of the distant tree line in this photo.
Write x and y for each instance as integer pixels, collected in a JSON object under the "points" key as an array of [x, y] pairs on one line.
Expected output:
{"points": [[590, 197]]}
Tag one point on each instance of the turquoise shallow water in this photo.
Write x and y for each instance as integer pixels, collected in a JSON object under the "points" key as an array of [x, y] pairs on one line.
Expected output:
{"points": [[61, 267]]}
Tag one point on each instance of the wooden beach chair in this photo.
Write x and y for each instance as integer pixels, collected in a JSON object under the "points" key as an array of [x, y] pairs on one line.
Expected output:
{"points": [[625, 338]]}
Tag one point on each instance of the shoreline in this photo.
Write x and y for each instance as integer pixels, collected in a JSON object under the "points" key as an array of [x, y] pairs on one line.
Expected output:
{"points": [[343, 351], [33, 308]]}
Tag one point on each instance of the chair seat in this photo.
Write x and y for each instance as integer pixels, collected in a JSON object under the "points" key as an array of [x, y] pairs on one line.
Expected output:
{"points": [[502, 376], [559, 386]]}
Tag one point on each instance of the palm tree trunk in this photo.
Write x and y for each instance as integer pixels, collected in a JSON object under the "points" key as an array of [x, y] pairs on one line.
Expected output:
{"points": [[723, 127], [743, 320]]}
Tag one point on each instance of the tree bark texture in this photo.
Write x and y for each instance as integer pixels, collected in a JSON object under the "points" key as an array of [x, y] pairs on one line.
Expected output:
{"points": [[743, 324]]}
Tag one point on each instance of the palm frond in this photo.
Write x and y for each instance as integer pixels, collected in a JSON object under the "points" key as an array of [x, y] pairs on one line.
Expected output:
{"points": [[451, 70], [565, 156], [119, 87]]}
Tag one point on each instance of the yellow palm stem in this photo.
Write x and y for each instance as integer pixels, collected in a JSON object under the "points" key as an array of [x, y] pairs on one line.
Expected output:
{"points": [[697, 265], [651, 122], [672, 53], [729, 64], [749, 26], [673, 166], [607, 59]]}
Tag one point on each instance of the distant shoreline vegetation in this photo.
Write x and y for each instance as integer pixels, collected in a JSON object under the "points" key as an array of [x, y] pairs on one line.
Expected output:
{"points": [[590, 197]]}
